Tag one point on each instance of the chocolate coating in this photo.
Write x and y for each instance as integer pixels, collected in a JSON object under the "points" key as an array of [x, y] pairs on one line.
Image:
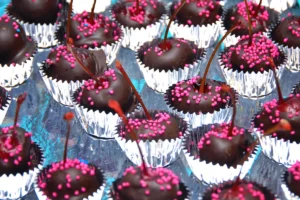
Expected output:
{"points": [[14, 49], [190, 11], [16, 141], [37, 11], [292, 184], [121, 12], [179, 54], [283, 33], [95, 61]]}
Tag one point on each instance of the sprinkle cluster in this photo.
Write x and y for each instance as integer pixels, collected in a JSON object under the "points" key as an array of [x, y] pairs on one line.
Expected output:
{"points": [[293, 27], [67, 181], [103, 84], [260, 50], [164, 177], [87, 29], [273, 110], [62, 53], [152, 128], [184, 89], [295, 171], [10, 150], [220, 132]]}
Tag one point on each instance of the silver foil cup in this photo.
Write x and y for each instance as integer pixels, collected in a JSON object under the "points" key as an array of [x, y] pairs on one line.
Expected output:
{"points": [[16, 186], [203, 170], [5, 102], [296, 89], [283, 152], [195, 120], [80, 6], [286, 191], [279, 6], [158, 153], [252, 85], [95, 196], [160, 81], [59, 90]]}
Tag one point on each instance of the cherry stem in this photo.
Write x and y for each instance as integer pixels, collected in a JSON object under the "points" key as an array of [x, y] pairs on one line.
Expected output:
{"points": [[67, 117], [93, 13], [273, 67], [171, 20], [69, 20], [121, 69], [249, 22], [213, 55], [137, 7], [116, 106], [232, 96], [258, 8], [20, 100]]}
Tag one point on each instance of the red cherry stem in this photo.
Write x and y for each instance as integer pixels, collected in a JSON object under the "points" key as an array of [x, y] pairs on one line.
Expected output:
{"points": [[249, 22], [121, 69], [171, 20], [116, 106], [279, 93], [69, 20], [68, 118], [91, 20], [232, 96], [258, 8], [20, 100], [213, 55], [137, 7]]}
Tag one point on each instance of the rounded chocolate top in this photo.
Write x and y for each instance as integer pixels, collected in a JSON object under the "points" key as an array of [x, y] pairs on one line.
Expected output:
{"points": [[185, 96], [287, 32], [254, 57], [149, 12], [72, 180], [176, 54], [162, 126], [292, 178], [62, 65], [15, 46], [36, 11], [238, 190], [88, 33], [273, 111], [111, 86], [15, 148], [161, 183], [218, 146], [238, 13], [198, 12]]}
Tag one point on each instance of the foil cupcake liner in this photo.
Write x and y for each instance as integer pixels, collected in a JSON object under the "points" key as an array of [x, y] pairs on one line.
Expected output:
{"points": [[95, 123], [5, 100], [286, 191], [59, 90], [203, 170], [16, 186], [195, 120], [252, 85], [160, 81], [156, 154], [296, 89], [43, 34], [278, 6], [135, 37], [204, 36], [95, 196], [80, 6], [283, 152]]}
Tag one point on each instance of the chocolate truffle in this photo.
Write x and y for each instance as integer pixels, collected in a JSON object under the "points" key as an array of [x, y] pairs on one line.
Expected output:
{"points": [[196, 12], [273, 111], [72, 180], [62, 65], [254, 57], [35, 11], [149, 12], [287, 32], [111, 86], [176, 54], [161, 183], [292, 179], [15, 46]]}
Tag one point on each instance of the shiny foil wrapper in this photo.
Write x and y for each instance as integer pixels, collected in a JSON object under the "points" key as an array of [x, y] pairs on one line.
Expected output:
{"points": [[296, 89], [283, 152], [5, 102], [204, 36], [97, 195], [286, 191], [279, 6], [17, 186], [156, 153], [252, 85], [80, 6], [59, 90], [208, 172]]}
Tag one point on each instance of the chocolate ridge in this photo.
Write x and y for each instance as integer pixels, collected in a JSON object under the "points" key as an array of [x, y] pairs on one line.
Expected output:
{"points": [[283, 179], [5, 96]]}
